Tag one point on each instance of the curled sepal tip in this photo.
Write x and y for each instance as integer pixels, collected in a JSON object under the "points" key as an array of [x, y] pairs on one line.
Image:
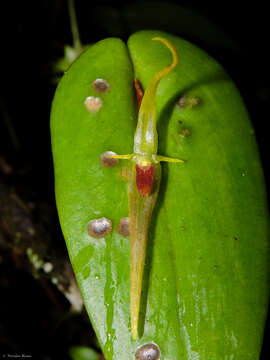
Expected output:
{"points": [[146, 139]]}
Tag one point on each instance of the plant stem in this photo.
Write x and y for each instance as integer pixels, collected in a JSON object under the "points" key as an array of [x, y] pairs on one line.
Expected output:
{"points": [[74, 25]]}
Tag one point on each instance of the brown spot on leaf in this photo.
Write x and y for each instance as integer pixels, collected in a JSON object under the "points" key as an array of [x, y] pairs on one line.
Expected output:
{"points": [[106, 161], [182, 101], [93, 104], [99, 228], [185, 132], [148, 352], [101, 86], [123, 226], [186, 100], [194, 101]]}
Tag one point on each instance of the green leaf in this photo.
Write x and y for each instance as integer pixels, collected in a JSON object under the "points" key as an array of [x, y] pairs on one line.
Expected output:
{"points": [[83, 353], [207, 265]]}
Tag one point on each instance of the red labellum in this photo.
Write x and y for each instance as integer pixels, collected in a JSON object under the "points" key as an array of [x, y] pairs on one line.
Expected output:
{"points": [[144, 178]]}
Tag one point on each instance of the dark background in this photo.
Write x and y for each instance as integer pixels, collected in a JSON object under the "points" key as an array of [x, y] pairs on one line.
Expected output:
{"points": [[33, 313]]}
